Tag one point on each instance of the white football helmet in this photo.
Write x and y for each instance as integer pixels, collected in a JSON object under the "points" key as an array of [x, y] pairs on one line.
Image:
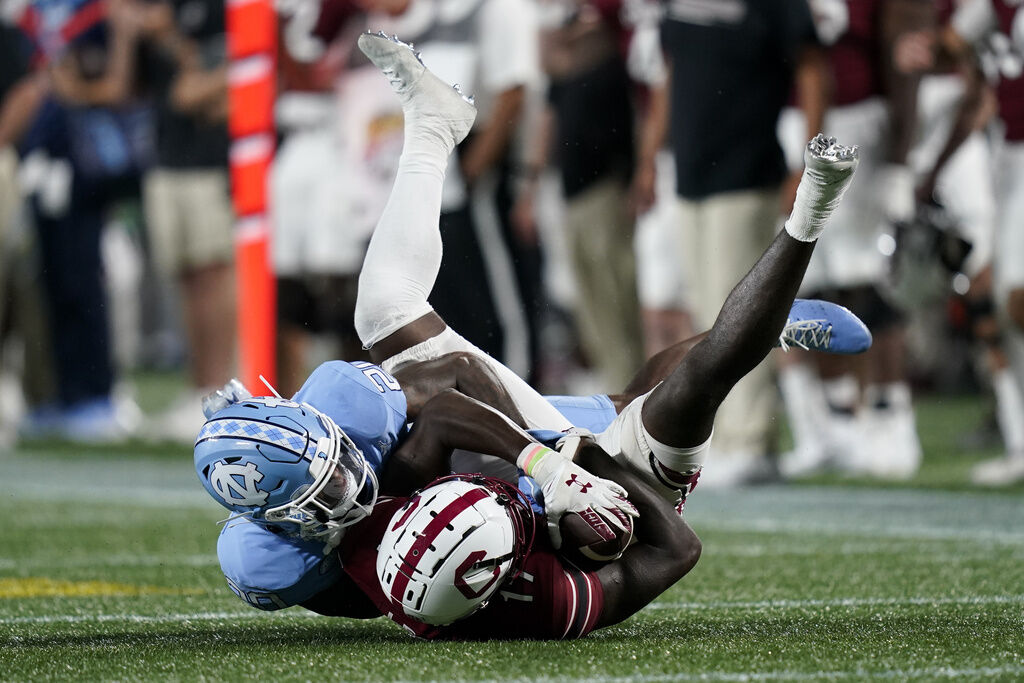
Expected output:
{"points": [[450, 547]]}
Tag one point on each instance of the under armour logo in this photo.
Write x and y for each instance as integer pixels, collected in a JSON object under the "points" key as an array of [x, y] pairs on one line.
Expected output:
{"points": [[583, 485], [237, 484]]}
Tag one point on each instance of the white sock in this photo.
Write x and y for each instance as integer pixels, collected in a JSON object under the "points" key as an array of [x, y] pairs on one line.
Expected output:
{"points": [[821, 188], [842, 392], [895, 396], [1009, 410], [404, 255], [679, 461], [804, 399]]}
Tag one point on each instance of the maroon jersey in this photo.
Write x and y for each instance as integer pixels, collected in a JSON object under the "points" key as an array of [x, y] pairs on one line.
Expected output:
{"points": [[1010, 90], [548, 600], [944, 10], [856, 68]]}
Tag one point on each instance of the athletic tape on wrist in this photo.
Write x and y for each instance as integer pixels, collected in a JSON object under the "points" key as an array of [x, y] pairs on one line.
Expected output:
{"points": [[531, 456]]}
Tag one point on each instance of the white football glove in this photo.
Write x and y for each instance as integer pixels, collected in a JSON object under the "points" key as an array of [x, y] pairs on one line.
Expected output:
{"points": [[568, 487]]}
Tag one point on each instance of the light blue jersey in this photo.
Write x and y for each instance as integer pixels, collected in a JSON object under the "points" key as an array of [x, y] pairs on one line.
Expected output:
{"points": [[271, 571], [366, 402], [586, 412]]}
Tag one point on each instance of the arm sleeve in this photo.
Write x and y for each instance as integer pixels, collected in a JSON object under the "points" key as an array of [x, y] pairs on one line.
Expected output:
{"points": [[974, 20], [269, 571], [509, 52]]}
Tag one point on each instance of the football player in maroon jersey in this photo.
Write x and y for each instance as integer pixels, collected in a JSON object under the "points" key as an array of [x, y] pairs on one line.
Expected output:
{"points": [[659, 440]]}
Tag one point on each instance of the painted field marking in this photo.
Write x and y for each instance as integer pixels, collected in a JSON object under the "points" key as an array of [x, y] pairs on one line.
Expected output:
{"points": [[919, 532], [718, 605], [839, 602], [152, 619], [746, 676], [41, 587], [106, 560]]}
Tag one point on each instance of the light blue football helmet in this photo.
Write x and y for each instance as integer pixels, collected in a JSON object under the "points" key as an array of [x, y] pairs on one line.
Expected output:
{"points": [[285, 465]]}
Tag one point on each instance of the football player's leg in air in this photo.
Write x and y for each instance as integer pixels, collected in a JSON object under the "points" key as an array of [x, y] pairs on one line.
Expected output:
{"points": [[302, 497], [297, 472], [425, 580], [404, 334], [395, 321]]}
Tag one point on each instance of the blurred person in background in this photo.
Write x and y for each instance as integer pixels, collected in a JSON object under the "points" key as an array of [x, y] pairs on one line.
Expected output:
{"points": [[587, 125], [186, 197], [86, 136], [319, 199], [860, 417], [489, 48], [955, 162], [731, 67], [14, 65], [994, 30], [661, 277]]}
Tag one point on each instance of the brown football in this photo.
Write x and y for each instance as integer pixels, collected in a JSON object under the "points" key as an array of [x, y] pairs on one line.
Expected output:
{"points": [[589, 539]]}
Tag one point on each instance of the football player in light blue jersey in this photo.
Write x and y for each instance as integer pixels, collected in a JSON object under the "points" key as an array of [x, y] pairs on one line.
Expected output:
{"points": [[297, 472]]}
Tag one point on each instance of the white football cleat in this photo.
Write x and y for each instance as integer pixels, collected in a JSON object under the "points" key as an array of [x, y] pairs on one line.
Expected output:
{"points": [[429, 104], [828, 171]]}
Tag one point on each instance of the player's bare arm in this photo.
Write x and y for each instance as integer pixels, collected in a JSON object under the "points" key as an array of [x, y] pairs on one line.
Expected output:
{"points": [[665, 547], [465, 372], [899, 18], [450, 420]]}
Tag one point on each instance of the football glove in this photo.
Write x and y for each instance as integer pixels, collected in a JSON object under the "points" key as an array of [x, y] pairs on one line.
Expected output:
{"points": [[568, 487]]}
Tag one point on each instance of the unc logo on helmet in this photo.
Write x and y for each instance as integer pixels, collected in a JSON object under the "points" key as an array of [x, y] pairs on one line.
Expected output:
{"points": [[284, 464], [225, 481]]}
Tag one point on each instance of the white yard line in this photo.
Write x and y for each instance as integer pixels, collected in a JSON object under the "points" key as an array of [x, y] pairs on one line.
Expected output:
{"points": [[716, 605], [745, 676], [831, 528], [838, 602]]}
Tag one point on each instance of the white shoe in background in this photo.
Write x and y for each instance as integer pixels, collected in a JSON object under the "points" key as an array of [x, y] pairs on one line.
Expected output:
{"points": [[1003, 471], [892, 431], [181, 422]]}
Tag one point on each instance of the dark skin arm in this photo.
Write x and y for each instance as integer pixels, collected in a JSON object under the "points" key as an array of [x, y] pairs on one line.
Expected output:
{"points": [[900, 17], [490, 143], [666, 548], [811, 85], [19, 107], [344, 598], [464, 372], [450, 421]]}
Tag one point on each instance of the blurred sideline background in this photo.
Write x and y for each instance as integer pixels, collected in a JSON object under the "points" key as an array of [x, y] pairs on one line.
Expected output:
{"points": [[187, 188]]}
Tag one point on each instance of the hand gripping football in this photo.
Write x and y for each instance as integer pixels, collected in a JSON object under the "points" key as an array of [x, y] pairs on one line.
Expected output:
{"points": [[590, 538]]}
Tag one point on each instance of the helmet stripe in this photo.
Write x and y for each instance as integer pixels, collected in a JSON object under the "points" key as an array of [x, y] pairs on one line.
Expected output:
{"points": [[431, 532], [253, 430]]}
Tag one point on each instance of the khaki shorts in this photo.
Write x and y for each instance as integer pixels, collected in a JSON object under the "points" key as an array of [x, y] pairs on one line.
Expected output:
{"points": [[189, 218]]}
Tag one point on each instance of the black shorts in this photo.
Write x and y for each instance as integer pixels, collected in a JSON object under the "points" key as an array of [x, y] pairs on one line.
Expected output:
{"points": [[867, 303], [318, 303]]}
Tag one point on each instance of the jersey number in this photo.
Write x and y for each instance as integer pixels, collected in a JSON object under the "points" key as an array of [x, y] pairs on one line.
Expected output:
{"points": [[378, 378]]}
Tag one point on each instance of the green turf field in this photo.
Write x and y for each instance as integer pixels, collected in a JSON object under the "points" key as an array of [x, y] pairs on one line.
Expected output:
{"points": [[108, 572]]}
